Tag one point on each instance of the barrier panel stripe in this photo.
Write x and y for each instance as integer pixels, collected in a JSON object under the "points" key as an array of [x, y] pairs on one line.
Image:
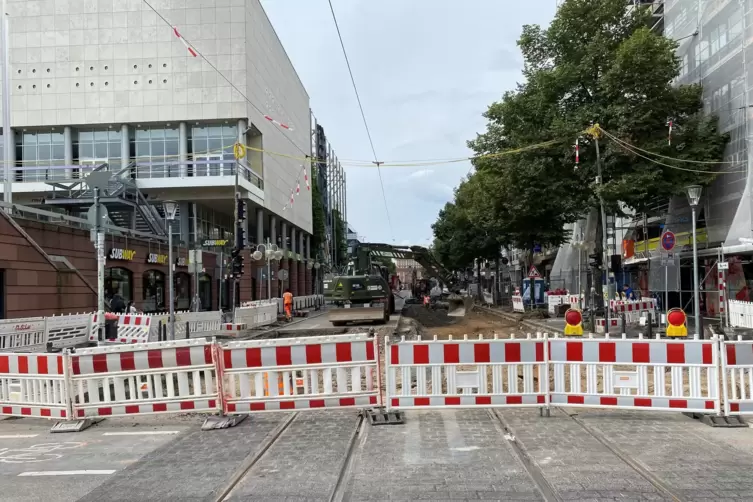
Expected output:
{"points": [[470, 352], [141, 359], [45, 364], [148, 409], [299, 355], [303, 404], [632, 351]]}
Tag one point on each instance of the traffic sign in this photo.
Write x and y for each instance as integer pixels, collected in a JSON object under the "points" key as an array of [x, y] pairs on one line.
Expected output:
{"points": [[668, 241], [533, 273], [723, 265]]}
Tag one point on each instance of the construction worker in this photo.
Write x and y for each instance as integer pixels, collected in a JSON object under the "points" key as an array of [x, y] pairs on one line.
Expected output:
{"points": [[287, 301]]}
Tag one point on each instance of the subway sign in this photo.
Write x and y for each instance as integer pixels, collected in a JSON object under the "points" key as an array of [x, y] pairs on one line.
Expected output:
{"points": [[121, 254], [159, 259], [215, 243]]}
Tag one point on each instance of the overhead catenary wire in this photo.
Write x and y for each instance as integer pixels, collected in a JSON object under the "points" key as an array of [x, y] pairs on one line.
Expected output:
{"points": [[363, 116]]}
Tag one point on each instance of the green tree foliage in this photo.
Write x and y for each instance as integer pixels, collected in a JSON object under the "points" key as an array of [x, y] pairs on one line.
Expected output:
{"points": [[340, 236], [317, 216], [596, 63]]}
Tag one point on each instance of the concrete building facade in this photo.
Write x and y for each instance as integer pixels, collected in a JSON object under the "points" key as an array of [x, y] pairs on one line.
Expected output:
{"points": [[110, 85]]}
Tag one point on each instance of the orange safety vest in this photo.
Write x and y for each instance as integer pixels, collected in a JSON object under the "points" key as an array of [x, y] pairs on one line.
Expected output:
{"points": [[287, 298]]}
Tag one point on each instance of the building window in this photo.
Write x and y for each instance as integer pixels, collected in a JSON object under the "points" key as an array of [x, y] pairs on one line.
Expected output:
{"points": [[212, 225], [93, 147], [41, 149], [157, 151], [211, 148], [119, 280], [154, 291]]}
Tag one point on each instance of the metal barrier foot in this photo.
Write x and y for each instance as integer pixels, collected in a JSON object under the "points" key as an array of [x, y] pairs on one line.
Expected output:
{"points": [[378, 416], [75, 425], [222, 422], [717, 421], [545, 412]]}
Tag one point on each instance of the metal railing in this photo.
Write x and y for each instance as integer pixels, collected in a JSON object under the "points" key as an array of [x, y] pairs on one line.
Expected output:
{"points": [[139, 170]]}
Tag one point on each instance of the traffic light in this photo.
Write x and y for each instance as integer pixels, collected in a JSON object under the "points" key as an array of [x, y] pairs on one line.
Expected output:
{"points": [[240, 227], [236, 264], [595, 260]]}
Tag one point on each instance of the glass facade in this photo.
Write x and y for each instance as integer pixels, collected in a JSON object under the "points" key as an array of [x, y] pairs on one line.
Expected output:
{"points": [[93, 147], [182, 291], [211, 148], [41, 155], [156, 150], [212, 225]]}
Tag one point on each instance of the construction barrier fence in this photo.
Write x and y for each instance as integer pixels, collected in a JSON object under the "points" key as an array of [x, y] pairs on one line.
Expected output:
{"points": [[345, 371]]}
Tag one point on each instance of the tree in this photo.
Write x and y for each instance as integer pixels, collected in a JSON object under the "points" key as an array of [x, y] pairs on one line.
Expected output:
{"points": [[596, 63]]}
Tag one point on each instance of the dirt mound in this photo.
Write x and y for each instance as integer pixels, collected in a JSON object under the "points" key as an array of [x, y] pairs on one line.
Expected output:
{"points": [[437, 322]]}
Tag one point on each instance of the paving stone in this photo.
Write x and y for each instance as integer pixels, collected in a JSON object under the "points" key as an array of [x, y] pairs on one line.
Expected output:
{"points": [[439, 455], [189, 468], [687, 455], [304, 463]]}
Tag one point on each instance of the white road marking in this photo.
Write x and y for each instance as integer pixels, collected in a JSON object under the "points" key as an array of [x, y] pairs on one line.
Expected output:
{"points": [[140, 433], [19, 436], [64, 473]]}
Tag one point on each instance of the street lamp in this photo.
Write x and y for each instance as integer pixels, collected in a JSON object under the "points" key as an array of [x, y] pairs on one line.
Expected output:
{"points": [[694, 197], [171, 208]]}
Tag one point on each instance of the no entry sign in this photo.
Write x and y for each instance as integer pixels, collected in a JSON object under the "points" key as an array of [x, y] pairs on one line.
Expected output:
{"points": [[668, 241]]}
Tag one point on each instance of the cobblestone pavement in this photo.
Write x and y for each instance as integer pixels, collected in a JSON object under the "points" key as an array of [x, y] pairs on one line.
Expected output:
{"points": [[513, 454]]}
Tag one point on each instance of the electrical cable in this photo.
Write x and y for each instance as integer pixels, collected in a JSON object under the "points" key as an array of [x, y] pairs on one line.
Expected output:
{"points": [[363, 116]]}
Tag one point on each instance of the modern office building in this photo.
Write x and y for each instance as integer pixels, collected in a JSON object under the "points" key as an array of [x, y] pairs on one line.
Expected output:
{"points": [[115, 86]]}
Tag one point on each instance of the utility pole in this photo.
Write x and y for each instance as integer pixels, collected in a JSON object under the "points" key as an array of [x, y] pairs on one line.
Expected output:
{"points": [[7, 143], [596, 131]]}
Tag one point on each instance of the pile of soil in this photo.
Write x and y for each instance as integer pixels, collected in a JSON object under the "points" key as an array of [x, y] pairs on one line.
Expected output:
{"points": [[438, 323]]}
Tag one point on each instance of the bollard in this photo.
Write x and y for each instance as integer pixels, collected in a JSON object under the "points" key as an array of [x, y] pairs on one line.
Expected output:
{"points": [[188, 330], [623, 327], [649, 324], [159, 331], [163, 335]]}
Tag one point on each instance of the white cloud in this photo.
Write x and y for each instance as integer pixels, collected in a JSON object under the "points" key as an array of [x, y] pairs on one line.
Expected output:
{"points": [[421, 174]]}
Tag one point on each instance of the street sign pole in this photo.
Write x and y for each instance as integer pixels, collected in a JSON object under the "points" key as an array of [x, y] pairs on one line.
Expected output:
{"points": [[667, 244], [98, 181]]}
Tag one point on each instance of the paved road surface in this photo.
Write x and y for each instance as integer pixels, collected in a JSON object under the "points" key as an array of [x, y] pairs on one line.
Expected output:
{"points": [[334, 455]]}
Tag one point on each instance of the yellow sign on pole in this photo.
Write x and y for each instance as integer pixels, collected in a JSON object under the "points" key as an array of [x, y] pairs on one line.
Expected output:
{"points": [[239, 151]]}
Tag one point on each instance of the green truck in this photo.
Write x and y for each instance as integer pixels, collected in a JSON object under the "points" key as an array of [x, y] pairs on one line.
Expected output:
{"points": [[364, 292]]}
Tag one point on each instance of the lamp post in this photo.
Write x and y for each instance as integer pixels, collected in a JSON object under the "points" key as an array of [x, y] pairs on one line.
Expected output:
{"points": [[171, 208], [273, 253], [694, 197]]}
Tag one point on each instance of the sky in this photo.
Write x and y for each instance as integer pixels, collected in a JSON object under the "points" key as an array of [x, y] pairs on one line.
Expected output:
{"points": [[426, 70]]}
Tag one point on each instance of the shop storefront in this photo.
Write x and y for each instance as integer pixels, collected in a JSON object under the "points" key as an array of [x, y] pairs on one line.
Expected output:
{"points": [[205, 291], [119, 280], [182, 291], [154, 291]]}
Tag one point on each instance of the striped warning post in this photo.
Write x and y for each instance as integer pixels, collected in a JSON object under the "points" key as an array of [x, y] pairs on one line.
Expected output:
{"points": [[33, 385], [670, 375], [316, 372], [467, 373], [160, 377]]}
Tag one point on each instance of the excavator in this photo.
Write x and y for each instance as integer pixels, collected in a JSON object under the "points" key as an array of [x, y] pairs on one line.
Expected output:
{"points": [[364, 292]]}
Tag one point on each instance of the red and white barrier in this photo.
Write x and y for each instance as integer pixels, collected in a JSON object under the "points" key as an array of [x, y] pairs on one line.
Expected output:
{"points": [[164, 377], [737, 376], [66, 331], [34, 385], [300, 374], [601, 324], [131, 328], [23, 335], [442, 380], [664, 375], [633, 309]]}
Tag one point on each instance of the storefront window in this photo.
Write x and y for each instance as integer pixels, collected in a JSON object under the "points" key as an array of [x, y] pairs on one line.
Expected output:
{"points": [[182, 291], [154, 291], [205, 291], [119, 280]]}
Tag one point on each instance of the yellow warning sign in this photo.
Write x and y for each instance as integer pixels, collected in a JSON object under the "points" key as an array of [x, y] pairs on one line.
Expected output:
{"points": [[239, 151]]}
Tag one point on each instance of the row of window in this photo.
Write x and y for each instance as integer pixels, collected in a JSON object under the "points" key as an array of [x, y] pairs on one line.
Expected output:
{"points": [[154, 289], [104, 145]]}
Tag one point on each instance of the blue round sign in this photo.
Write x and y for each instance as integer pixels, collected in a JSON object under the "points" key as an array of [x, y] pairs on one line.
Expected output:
{"points": [[668, 241]]}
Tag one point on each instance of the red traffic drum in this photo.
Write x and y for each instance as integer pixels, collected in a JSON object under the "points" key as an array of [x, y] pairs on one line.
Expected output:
{"points": [[676, 319], [574, 322]]}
